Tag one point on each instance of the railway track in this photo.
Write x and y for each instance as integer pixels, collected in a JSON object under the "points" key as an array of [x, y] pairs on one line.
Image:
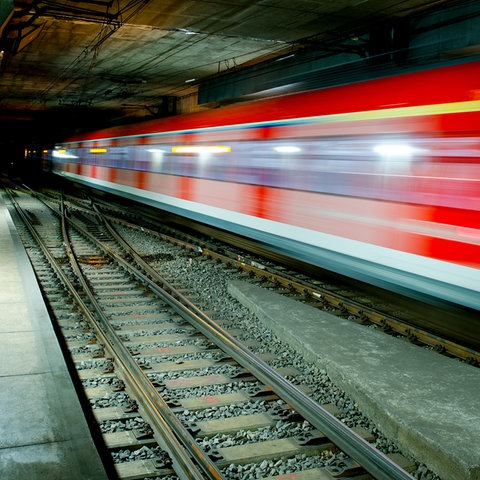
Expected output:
{"points": [[148, 357], [340, 301]]}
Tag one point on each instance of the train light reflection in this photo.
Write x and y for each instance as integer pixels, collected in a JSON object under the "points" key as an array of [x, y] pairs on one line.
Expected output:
{"points": [[157, 157], [62, 154], [98, 150], [287, 149], [396, 150], [202, 149]]}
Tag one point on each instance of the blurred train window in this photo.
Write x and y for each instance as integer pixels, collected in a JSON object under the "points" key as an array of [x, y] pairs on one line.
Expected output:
{"points": [[141, 157], [423, 170], [81, 154]]}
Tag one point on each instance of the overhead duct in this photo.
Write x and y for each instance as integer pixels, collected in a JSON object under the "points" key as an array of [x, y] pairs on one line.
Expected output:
{"points": [[445, 36]]}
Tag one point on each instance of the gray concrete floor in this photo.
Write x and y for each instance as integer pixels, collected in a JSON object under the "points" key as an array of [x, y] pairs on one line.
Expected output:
{"points": [[43, 431], [429, 404]]}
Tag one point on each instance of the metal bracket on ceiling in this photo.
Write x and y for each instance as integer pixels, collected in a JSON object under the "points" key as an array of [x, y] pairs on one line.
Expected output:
{"points": [[20, 18], [86, 10], [18, 29]]}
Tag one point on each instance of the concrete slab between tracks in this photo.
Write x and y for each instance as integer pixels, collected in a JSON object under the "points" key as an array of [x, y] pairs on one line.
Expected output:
{"points": [[43, 431], [427, 403]]}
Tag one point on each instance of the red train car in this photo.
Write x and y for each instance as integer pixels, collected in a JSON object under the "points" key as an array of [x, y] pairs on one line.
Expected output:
{"points": [[378, 180]]}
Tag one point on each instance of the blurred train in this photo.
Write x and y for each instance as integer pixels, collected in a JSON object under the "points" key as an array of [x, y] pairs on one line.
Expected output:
{"points": [[378, 180]]}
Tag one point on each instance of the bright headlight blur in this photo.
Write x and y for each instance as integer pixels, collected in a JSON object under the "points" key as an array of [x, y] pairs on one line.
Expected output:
{"points": [[62, 154]]}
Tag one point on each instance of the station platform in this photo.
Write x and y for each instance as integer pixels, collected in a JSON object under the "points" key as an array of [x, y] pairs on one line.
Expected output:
{"points": [[43, 431], [427, 403]]}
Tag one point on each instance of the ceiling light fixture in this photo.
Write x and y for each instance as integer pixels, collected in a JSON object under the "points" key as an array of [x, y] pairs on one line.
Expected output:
{"points": [[186, 31], [201, 149], [284, 58], [287, 149]]}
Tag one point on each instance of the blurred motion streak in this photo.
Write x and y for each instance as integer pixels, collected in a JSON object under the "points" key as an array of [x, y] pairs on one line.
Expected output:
{"points": [[379, 180]]}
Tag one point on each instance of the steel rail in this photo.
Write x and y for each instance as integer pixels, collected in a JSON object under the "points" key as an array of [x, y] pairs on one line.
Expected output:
{"points": [[156, 409], [349, 305], [164, 422], [374, 461]]}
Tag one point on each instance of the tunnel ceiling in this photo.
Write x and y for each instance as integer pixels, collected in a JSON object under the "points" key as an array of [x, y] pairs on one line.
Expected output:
{"points": [[85, 63]]}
